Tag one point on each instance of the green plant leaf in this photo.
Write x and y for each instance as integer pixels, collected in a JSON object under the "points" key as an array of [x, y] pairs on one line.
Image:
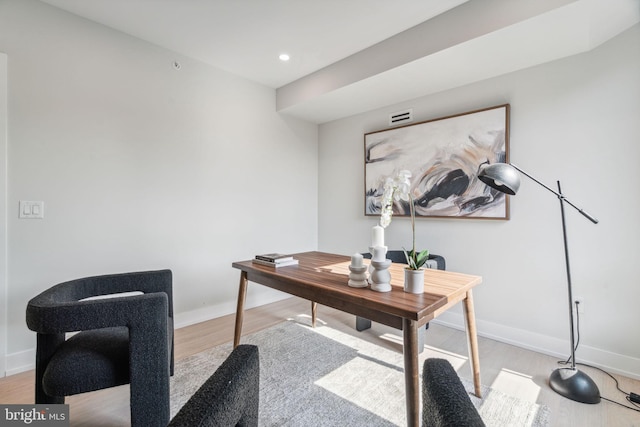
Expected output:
{"points": [[415, 261], [422, 258], [407, 256]]}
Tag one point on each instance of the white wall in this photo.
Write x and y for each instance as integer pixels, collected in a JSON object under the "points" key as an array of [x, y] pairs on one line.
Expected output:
{"points": [[142, 167], [575, 120], [3, 211]]}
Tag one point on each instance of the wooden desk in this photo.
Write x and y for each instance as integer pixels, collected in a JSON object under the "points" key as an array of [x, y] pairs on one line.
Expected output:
{"points": [[322, 277]]}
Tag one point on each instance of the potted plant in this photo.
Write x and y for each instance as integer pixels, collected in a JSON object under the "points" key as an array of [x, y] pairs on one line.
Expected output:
{"points": [[395, 189]]}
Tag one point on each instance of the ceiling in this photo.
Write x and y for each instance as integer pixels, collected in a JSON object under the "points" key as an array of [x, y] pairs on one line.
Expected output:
{"points": [[246, 37], [350, 56]]}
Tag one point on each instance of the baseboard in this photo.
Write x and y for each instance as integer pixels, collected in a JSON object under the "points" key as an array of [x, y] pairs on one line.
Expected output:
{"points": [[20, 362], [611, 362], [267, 296]]}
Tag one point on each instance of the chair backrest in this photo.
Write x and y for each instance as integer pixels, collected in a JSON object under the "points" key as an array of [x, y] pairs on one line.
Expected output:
{"points": [[64, 308], [394, 256], [435, 261], [230, 397], [445, 402]]}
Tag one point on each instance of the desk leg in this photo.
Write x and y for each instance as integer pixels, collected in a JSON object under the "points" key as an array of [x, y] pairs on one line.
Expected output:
{"points": [[411, 372], [472, 340], [314, 313], [242, 295]]}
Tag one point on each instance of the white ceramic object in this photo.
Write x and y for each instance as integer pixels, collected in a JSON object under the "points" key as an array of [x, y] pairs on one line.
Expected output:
{"points": [[414, 281]]}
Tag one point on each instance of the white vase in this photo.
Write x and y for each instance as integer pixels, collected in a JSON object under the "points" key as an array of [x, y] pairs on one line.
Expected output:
{"points": [[414, 281]]}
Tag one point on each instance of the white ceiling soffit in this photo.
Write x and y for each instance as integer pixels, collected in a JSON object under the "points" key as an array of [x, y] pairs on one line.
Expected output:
{"points": [[352, 56], [499, 36], [245, 37]]}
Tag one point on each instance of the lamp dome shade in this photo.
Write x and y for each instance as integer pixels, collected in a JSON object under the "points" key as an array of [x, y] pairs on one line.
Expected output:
{"points": [[501, 176]]}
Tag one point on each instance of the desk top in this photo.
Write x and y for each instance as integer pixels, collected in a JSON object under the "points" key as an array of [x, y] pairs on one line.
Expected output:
{"points": [[322, 277]]}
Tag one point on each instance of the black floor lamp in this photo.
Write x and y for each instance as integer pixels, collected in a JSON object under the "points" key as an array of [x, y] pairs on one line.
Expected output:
{"points": [[569, 382]]}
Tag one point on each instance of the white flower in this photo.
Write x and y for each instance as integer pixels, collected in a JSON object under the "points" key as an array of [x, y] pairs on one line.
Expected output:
{"points": [[403, 185], [395, 189]]}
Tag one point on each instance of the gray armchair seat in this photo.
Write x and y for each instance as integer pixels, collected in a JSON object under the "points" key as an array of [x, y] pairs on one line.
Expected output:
{"points": [[117, 340], [230, 397]]}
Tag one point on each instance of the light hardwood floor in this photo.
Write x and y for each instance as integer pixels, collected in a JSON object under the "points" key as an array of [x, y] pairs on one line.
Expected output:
{"points": [[513, 370]]}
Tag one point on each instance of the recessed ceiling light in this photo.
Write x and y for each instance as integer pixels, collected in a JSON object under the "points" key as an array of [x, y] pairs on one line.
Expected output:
{"points": [[284, 57]]}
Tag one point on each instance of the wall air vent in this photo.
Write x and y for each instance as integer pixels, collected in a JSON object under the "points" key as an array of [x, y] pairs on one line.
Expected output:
{"points": [[400, 117]]}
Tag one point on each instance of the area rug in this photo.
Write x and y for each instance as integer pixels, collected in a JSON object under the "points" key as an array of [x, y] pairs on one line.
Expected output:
{"points": [[324, 377]]}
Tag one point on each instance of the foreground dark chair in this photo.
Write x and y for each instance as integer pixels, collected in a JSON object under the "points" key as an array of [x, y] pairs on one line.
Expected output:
{"points": [[122, 339], [445, 402], [230, 397]]}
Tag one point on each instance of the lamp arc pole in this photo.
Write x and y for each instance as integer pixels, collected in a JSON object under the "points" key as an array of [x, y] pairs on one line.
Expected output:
{"points": [[568, 382]]}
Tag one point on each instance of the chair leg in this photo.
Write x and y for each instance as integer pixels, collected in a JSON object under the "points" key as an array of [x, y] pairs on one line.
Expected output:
{"points": [[422, 338], [149, 374], [46, 347], [362, 323]]}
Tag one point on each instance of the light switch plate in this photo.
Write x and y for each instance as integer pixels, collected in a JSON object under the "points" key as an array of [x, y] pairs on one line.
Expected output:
{"points": [[31, 209]]}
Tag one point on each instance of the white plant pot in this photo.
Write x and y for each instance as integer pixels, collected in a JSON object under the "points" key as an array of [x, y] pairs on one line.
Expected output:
{"points": [[414, 281]]}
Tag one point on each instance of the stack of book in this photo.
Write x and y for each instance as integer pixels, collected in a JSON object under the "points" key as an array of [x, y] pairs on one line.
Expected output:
{"points": [[275, 260]]}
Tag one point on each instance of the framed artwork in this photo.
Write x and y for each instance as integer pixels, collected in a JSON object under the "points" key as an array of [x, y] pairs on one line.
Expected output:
{"points": [[443, 156]]}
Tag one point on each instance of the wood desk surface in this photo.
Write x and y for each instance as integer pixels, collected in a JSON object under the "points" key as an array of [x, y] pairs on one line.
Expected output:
{"points": [[322, 277]]}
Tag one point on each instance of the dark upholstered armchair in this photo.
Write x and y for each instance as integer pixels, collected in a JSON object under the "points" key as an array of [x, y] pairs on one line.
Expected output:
{"points": [[119, 340], [230, 397], [445, 402]]}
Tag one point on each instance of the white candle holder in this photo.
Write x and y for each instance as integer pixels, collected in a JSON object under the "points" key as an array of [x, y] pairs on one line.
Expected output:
{"points": [[358, 277], [379, 276], [371, 268]]}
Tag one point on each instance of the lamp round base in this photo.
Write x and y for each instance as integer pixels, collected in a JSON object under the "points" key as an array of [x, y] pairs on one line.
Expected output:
{"points": [[575, 385]]}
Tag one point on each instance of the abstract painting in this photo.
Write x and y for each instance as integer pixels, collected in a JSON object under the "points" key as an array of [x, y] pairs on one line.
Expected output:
{"points": [[443, 156]]}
